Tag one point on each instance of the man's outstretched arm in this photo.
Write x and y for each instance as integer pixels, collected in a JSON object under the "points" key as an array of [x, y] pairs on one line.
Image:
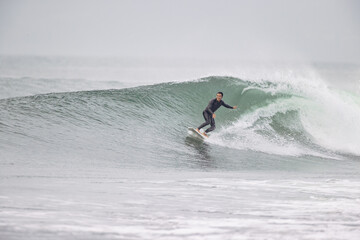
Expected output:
{"points": [[228, 106]]}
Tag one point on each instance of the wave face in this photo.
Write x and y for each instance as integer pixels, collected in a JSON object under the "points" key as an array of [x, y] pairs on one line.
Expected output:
{"points": [[149, 122]]}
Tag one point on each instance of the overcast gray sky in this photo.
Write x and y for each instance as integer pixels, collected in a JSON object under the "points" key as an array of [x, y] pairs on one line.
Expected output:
{"points": [[312, 30]]}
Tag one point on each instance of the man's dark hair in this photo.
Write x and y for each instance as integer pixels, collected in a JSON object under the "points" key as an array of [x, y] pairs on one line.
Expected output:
{"points": [[221, 93]]}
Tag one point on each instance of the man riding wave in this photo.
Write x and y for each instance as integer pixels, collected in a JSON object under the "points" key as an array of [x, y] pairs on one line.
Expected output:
{"points": [[209, 112]]}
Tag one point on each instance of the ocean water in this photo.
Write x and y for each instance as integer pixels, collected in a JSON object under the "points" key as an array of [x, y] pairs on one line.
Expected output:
{"points": [[99, 149]]}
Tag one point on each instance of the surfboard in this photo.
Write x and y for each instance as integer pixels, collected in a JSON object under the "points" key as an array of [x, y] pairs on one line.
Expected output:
{"points": [[196, 133]]}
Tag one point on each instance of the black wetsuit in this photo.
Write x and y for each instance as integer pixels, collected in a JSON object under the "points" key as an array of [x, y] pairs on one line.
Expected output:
{"points": [[209, 111]]}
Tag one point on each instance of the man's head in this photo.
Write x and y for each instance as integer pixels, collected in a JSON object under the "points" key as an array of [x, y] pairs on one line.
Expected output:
{"points": [[219, 96]]}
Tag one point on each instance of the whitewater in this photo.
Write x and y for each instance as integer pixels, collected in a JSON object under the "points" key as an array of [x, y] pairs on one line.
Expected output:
{"points": [[99, 149]]}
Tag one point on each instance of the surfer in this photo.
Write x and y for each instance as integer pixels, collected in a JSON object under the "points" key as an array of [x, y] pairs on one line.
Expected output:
{"points": [[209, 112]]}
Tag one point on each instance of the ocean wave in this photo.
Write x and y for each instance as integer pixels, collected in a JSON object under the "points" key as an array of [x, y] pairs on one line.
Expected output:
{"points": [[272, 117]]}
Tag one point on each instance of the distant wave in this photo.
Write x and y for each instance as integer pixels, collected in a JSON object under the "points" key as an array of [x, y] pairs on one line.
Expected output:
{"points": [[26, 86]]}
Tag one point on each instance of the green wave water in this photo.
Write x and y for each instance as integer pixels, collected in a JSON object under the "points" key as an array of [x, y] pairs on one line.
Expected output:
{"points": [[149, 122]]}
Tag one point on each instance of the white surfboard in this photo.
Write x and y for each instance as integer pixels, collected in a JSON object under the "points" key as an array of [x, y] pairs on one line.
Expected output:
{"points": [[193, 130]]}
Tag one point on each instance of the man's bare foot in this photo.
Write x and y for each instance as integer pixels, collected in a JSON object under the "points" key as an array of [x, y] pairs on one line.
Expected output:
{"points": [[201, 132]]}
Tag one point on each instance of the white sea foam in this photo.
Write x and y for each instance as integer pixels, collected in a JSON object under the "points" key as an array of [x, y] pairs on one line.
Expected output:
{"points": [[331, 118], [175, 206]]}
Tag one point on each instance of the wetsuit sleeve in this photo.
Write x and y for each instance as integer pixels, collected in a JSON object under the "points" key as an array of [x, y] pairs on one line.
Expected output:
{"points": [[225, 105], [208, 108]]}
